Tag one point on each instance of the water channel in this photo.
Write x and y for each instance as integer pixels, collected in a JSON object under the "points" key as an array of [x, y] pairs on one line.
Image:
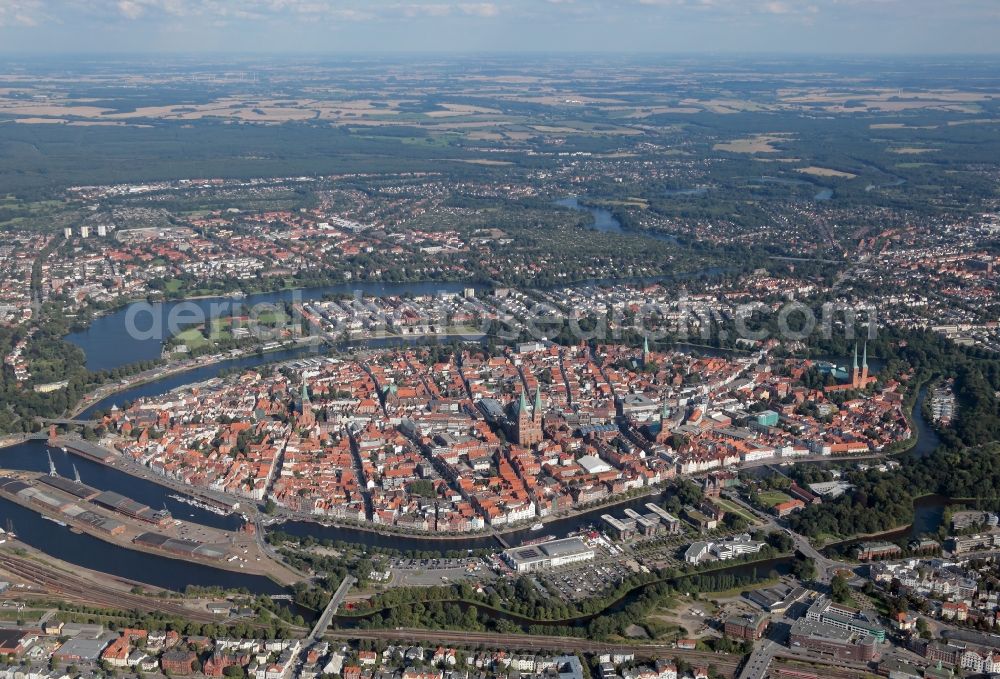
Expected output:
{"points": [[91, 552], [758, 570], [109, 342]]}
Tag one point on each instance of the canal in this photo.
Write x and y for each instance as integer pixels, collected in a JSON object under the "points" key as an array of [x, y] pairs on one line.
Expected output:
{"points": [[751, 572], [927, 439], [31, 456], [558, 528], [86, 551]]}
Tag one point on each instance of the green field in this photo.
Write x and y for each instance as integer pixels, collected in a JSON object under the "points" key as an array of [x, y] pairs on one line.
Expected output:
{"points": [[734, 508], [192, 337], [770, 498]]}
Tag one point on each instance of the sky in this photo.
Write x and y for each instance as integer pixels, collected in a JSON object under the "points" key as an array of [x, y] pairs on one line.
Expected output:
{"points": [[32, 27]]}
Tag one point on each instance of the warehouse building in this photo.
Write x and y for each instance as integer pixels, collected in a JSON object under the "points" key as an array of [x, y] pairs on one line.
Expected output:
{"points": [[178, 546], [123, 505], [746, 627], [83, 649]]}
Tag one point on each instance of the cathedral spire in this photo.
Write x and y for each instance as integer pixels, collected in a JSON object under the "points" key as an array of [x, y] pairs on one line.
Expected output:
{"points": [[537, 411]]}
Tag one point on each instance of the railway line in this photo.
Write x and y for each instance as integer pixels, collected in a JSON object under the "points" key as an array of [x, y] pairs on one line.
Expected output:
{"points": [[726, 664], [786, 668], [73, 587]]}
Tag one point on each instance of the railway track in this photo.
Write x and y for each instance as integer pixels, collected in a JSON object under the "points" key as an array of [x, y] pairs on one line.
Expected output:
{"points": [[724, 663], [787, 668], [66, 584]]}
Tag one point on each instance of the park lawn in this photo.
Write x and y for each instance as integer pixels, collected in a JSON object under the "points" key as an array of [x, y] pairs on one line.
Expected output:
{"points": [[193, 338], [272, 318], [825, 538], [770, 498], [737, 591], [220, 333], [734, 508]]}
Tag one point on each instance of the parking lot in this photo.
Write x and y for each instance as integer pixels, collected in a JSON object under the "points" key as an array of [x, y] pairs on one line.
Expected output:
{"points": [[429, 572], [580, 583]]}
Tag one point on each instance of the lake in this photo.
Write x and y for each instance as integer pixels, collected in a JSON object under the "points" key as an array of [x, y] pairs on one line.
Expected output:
{"points": [[605, 222], [108, 342]]}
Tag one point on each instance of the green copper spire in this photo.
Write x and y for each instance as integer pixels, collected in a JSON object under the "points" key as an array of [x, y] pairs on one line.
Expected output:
{"points": [[645, 347], [855, 355], [864, 360], [538, 401], [305, 392], [523, 406]]}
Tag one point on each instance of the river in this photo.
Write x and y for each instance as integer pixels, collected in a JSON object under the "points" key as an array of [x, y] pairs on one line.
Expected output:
{"points": [[93, 553], [928, 513], [558, 527], [90, 552], [108, 342], [207, 372], [31, 456], [927, 439]]}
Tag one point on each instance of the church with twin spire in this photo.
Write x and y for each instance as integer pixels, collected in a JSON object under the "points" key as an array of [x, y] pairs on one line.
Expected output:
{"points": [[859, 377], [529, 424]]}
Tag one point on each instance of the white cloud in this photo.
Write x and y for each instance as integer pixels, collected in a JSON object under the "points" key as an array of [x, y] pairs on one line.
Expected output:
{"points": [[21, 13], [481, 9], [130, 9]]}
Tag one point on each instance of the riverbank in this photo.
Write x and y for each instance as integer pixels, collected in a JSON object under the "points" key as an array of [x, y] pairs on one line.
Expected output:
{"points": [[12, 440], [229, 545], [928, 509], [167, 371], [520, 527], [508, 537]]}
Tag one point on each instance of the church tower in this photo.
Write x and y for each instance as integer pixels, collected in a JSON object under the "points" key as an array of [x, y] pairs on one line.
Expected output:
{"points": [[856, 371], [864, 367], [529, 424], [306, 417]]}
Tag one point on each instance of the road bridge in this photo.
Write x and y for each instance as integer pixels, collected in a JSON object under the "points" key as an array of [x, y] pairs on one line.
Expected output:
{"points": [[756, 665], [66, 421], [324, 620]]}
